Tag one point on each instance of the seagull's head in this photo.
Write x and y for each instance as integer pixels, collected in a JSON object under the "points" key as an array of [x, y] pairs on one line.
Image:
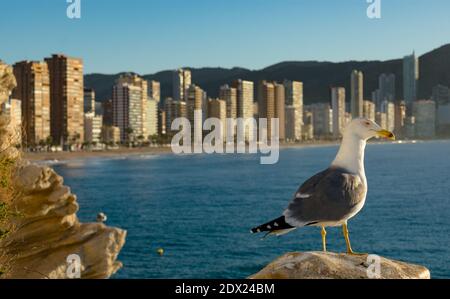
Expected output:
{"points": [[365, 129]]}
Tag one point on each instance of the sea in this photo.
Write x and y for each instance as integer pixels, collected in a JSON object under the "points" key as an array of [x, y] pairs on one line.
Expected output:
{"points": [[200, 208]]}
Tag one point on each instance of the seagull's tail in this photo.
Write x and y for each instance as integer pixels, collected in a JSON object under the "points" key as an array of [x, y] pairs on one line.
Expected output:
{"points": [[276, 227]]}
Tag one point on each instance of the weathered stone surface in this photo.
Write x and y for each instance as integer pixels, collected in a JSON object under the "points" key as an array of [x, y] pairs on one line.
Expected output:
{"points": [[47, 231], [7, 81], [323, 265]]}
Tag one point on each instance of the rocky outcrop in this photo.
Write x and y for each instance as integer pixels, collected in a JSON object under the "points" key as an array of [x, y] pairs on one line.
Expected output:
{"points": [[46, 240], [7, 83], [47, 231], [323, 265]]}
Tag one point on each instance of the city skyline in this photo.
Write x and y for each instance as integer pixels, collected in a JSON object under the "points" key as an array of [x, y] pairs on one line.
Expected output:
{"points": [[135, 113], [297, 31]]}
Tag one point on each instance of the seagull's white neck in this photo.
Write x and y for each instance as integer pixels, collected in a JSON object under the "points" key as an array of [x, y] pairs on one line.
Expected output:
{"points": [[351, 155]]}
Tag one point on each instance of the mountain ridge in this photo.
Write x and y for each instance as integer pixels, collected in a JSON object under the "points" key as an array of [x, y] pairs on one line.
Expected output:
{"points": [[317, 76]]}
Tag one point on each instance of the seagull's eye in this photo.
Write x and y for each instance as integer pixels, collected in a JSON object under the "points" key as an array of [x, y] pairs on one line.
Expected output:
{"points": [[367, 123]]}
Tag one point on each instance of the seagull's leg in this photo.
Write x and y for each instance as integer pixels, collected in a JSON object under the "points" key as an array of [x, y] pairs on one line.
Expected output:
{"points": [[347, 241], [324, 239]]}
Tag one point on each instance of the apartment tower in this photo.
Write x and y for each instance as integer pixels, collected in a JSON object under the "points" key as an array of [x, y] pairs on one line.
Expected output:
{"points": [[33, 90], [181, 81], [66, 98], [338, 107], [245, 97], [294, 98], [357, 93]]}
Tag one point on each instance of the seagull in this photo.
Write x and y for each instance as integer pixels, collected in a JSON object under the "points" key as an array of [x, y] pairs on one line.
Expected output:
{"points": [[331, 197], [101, 217]]}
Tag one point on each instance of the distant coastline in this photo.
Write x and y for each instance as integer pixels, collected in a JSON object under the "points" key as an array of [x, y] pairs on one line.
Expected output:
{"points": [[64, 156], [130, 152]]}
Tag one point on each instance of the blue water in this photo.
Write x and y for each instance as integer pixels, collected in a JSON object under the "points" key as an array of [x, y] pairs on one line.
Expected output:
{"points": [[199, 208]]}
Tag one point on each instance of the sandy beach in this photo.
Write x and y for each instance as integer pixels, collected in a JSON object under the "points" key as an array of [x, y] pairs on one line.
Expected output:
{"points": [[63, 156], [123, 151]]}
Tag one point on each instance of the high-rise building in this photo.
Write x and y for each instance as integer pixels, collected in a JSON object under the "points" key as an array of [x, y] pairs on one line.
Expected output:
{"points": [[322, 119], [369, 110], [410, 127], [142, 85], [151, 121], [424, 112], [218, 109], [410, 79], [92, 127], [357, 93], [443, 119], [255, 110], [66, 98], [173, 109], [308, 127], [205, 105], [338, 107], [290, 123], [98, 108], [266, 104], [245, 96], [162, 122], [89, 100], [108, 111], [399, 119], [33, 90], [181, 81], [194, 103], [294, 98], [386, 86], [229, 95], [271, 104], [376, 98], [441, 94], [127, 110], [154, 90], [381, 119], [280, 104], [110, 134], [389, 109]]}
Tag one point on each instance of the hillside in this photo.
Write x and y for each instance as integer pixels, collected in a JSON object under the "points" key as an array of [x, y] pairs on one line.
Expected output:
{"points": [[317, 76]]}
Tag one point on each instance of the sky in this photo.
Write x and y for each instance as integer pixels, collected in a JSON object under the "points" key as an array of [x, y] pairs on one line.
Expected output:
{"points": [[147, 36]]}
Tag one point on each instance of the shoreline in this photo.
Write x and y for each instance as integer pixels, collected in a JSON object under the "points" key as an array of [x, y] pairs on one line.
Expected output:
{"points": [[160, 150], [67, 156], [131, 152]]}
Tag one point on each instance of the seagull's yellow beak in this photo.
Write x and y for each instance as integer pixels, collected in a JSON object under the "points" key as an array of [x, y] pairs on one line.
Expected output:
{"points": [[386, 134]]}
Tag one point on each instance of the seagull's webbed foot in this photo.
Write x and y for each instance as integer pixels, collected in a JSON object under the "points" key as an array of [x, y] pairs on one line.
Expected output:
{"points": [[351, 252], [347, 242]]}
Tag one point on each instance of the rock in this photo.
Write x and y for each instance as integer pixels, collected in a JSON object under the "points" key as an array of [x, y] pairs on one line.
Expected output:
{"points": [[323, 265], [45, 234], [7, 135], [7, 82], [47, 231]]}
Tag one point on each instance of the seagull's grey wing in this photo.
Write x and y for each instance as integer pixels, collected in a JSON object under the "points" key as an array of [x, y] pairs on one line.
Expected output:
{"points": [[329, 196]]}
